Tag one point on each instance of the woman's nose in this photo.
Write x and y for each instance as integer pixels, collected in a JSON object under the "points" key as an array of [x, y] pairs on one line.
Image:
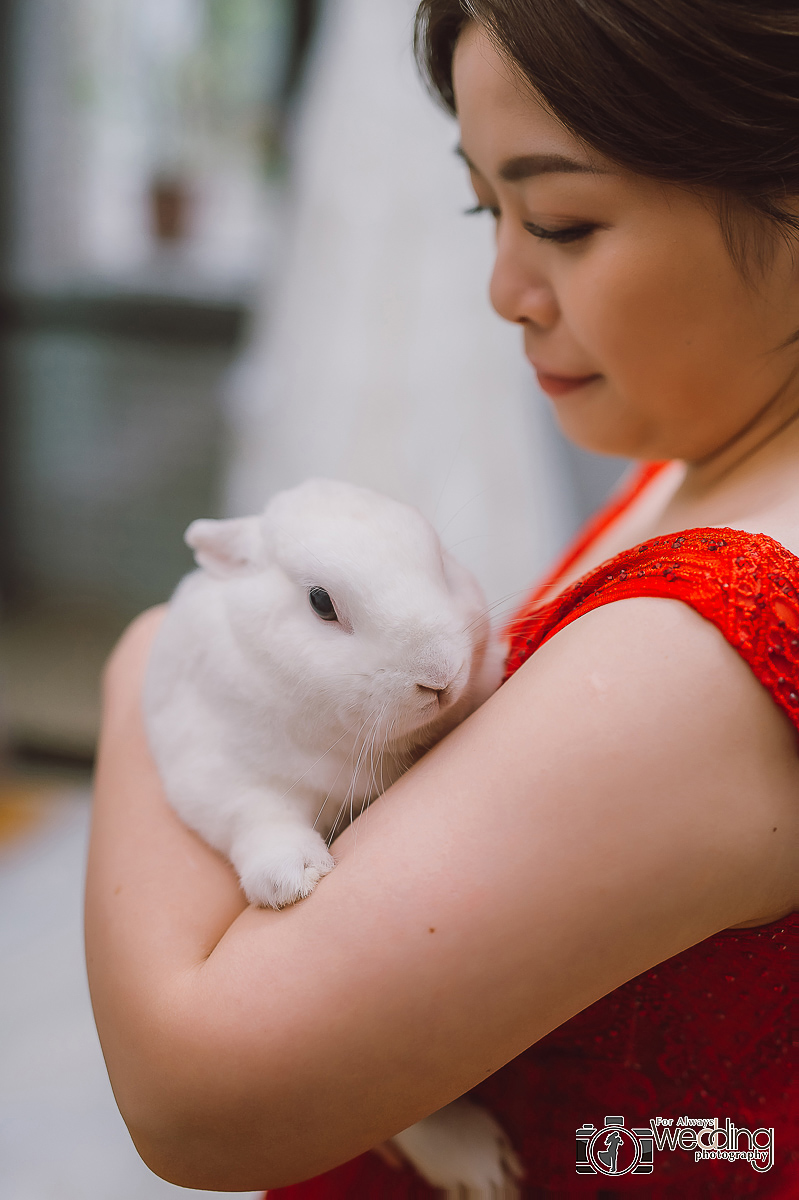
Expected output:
{"points": [[518, 291]]}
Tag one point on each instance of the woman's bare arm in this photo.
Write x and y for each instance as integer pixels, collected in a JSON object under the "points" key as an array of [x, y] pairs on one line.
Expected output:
{"points": [[602, 812]]}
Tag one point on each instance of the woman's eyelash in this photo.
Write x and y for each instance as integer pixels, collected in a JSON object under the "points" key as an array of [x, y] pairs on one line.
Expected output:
{"points": [[480, 208], [572, 233]]}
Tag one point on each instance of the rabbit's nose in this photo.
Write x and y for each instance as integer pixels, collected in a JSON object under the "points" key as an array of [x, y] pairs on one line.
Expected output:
{"points": [[443, 695]]}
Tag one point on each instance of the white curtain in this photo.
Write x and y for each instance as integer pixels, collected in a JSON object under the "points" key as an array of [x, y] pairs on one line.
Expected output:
{"points": [[376, 357]]}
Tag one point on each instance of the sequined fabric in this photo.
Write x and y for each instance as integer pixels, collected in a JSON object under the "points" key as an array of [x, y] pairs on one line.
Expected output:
{"points": [[746, 584], [706, 1033]]}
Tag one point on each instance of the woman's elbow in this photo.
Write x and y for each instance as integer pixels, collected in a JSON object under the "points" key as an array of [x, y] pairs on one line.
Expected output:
{"points": [[210, 1159], [189, 1161], [202, 1135], [172, 1130], [204, 1112]]}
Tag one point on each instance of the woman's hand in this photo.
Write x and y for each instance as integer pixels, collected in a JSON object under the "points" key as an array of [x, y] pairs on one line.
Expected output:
{"points": [[615, 802]]}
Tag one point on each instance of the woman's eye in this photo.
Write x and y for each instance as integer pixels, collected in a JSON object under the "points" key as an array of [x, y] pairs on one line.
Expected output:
{"points": [[481, 208], [572, 233], [322, 605]]}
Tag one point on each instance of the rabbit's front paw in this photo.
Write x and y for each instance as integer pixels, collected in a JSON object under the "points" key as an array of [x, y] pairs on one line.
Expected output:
{"points": [[462, 1149], [283, 865]]}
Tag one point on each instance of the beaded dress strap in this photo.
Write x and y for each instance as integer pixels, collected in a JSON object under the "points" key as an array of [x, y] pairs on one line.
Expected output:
{"points": [[628, 491], [746, 584]]}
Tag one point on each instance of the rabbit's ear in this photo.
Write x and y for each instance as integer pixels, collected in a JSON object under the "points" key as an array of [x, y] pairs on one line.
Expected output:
{"points": [[225, 548]]}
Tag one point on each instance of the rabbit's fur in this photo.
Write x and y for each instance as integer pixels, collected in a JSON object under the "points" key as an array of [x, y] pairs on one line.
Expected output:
{"points": [[273, 727]]}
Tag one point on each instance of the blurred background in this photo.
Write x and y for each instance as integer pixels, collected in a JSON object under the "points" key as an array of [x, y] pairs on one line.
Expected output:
{"points": [[231, 256]]}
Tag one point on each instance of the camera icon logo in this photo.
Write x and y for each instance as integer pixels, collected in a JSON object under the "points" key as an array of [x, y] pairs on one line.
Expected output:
{"points": [[614, 1149]]}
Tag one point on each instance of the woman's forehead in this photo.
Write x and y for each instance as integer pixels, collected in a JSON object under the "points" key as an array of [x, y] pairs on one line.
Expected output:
{"points": [[503, 122]]}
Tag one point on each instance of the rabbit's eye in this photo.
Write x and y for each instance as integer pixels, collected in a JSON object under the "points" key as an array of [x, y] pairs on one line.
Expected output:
{"points": [[322, 604]]}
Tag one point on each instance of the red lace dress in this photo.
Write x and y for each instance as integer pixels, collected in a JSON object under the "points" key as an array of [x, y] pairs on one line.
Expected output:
{"points": [[704, 1034]]}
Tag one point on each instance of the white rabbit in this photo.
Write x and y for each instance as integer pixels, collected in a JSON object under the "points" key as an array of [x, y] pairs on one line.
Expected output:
{"points": [[319, 650]]}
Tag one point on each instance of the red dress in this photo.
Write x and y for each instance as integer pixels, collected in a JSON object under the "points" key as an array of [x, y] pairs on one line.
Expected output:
{"points": [[704, 1034]]}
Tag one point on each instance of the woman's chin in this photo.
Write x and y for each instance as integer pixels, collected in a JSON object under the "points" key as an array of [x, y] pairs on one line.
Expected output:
{"points": [[586, 418]]}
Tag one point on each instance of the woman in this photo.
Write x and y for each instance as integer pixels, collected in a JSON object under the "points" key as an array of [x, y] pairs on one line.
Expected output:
{"points": [[579, 903]]}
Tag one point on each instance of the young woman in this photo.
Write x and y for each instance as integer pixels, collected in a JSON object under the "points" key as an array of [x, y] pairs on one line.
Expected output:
{"points": [[579, 903]]}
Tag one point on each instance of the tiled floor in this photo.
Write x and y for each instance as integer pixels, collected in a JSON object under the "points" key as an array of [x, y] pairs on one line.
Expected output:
{"points": [[61, 1137]]}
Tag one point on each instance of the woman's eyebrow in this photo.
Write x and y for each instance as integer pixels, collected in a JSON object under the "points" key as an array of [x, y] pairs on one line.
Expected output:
{"points": [[526, 166]]}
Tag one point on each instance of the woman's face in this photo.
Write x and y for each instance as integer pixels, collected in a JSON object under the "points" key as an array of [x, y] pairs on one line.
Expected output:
{"points": [[637, 321]]}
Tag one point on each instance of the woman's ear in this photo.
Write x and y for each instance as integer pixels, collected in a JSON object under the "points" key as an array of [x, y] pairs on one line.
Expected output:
{"points": [[226, 548]]}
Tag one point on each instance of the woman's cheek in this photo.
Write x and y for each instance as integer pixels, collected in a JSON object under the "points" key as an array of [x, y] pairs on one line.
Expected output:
{"points": [[609, 305], [635, 314]]}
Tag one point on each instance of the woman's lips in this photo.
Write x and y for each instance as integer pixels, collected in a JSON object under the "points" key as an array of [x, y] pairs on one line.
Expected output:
{"points": [[559, 385]]}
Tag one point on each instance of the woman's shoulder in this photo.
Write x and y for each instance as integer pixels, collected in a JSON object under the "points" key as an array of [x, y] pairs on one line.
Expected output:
{"points": [[692, 636], [731, 553], [710, 568], [656, 691], [745, 583]]}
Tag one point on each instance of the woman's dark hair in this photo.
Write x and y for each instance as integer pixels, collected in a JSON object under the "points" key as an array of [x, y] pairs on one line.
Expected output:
{"points": [[698, 92]]}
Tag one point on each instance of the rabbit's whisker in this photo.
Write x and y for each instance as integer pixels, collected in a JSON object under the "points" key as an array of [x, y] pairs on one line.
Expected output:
{"points": [[318, 760], [487, 611], [356, 770], [380, 787], [490, 608], [368, 747], [307, 548], [353, 778], [329, 791], [386, 740], [372, 750], [335, 823], [386, 737], [368, 795], [375, 729], [457, 513]]}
